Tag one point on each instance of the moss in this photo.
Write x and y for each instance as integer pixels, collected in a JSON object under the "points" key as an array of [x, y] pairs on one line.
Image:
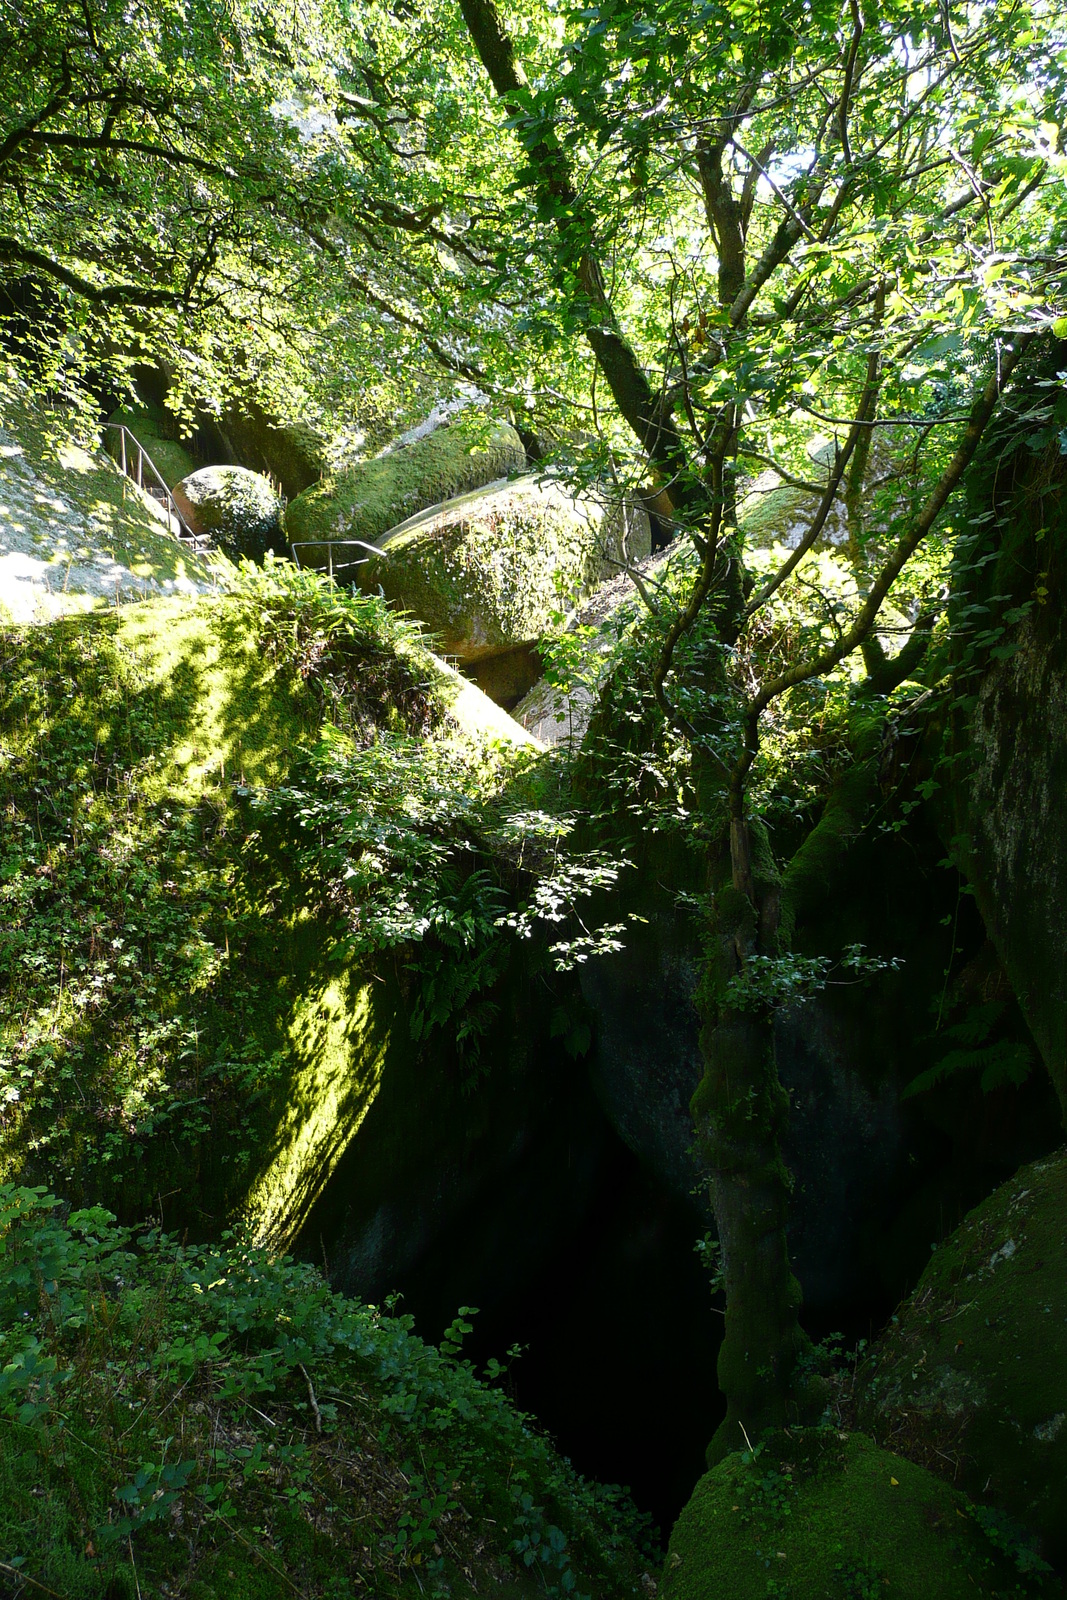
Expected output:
{"points": [[368, 500], [172, 1023], [81, 534], [338, 1030], [212, 1422], [769, 515], [821, 1514], [157, 433], [489, 571], [1006, 765], [292, 452], [149, 1022], [810, 875], [238, 508], [971, 1376]]}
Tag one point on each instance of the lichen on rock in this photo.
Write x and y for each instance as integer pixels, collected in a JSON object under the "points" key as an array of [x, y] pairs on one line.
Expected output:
{"points": [[487, 571], [75, 535]]}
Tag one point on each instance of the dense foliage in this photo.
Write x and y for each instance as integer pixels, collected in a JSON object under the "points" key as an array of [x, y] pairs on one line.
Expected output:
{"points": [[781, 271], [204, 1421], [136, 896]]}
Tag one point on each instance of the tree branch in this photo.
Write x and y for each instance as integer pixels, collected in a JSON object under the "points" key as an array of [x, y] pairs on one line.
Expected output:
{"points": [[823, 662], [626, 378], [116, 294]]}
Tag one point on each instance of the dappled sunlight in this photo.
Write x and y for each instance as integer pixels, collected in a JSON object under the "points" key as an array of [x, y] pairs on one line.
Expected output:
{"points": [[340, 1046], [75, 535]]}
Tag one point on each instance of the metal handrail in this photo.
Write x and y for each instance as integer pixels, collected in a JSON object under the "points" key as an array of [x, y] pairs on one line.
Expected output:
{"points": [[328, 544], [185, 531]]}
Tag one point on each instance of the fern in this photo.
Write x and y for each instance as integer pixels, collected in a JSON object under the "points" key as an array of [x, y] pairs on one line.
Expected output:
{"points": [[1002, 1062]]}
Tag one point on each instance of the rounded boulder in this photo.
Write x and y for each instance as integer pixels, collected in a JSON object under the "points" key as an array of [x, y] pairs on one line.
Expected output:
{"points": [[486, 572], [813, 1513], [237, 509], [366, 501], [970, 1377]]}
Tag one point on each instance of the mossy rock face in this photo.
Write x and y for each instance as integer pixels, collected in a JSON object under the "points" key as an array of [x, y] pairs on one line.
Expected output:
{"points": [[1016, 855], [368, 500], [237, 508], [486, 572], [815, 1514], [971, 1377], [156, 433], [293, 453], [187, 918]]}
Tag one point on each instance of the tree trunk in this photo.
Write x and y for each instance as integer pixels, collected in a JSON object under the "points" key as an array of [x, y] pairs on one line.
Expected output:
{"points": [[645, 411], [740, 1111]]}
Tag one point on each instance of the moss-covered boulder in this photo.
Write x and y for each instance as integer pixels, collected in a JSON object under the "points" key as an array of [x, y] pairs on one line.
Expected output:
{"points": [[971, 1376], [367, 500], [486, 571], [236, 508], [819, 1514], [156, 431], [175, 961]]}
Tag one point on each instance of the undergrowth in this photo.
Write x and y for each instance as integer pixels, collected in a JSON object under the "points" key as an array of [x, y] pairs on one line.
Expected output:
{"points": [[194, 1422]]}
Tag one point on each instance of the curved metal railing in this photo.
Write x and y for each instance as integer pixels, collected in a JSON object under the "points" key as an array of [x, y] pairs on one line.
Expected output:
{"points": [[329, 545], [134, 459]]}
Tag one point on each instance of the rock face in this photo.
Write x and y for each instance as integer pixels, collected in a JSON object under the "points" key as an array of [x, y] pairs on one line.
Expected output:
{"points": [[368, 500], [238, 509], [845, 1133], [1018, 822], [292, 453], [819, 1513], [971, 1376], [1006, 821], [485, 572], [75, 534], [560, 713]]}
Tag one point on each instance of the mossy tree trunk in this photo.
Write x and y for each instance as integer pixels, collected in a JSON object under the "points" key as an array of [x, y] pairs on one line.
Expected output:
{"points": [[740, 1112], [741, 1109]]}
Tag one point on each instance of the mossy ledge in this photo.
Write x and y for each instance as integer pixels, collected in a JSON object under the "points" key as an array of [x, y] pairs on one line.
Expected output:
{"points": [[367, 500]]}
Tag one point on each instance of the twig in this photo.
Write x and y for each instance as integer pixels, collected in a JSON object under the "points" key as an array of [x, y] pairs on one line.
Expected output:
{"points": [[133, 1566], [256, 1551], [24, 1577], [316, 1413]]}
